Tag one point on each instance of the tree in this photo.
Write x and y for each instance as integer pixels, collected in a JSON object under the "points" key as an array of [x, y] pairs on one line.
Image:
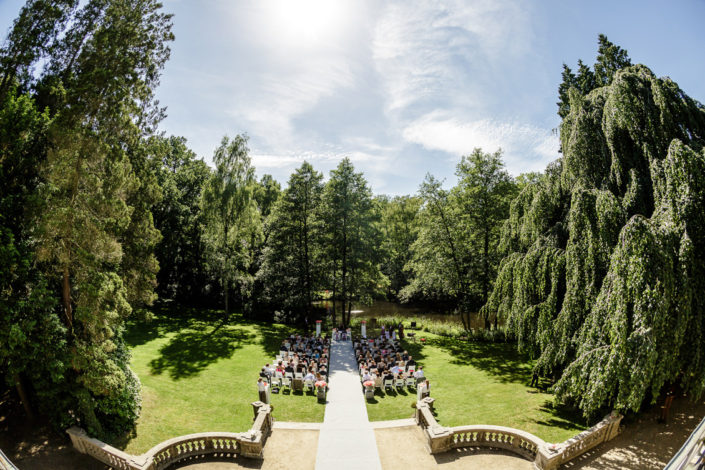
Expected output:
{"points": [[399, 228], [610, 59], [485, 190], [568, 81], [352, 237], [603, 254], [441, 259], [96, 84], [291, 271], [32, 36], [230, 214], [181, 178]]}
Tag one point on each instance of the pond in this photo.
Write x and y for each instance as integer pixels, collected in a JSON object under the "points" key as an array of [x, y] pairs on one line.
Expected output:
{"points": [[382, 308]]}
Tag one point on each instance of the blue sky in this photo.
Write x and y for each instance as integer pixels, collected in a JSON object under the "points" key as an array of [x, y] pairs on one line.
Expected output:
{"points": [[403, 88]]}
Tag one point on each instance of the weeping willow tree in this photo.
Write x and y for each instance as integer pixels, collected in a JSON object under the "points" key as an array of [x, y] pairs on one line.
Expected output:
{"points": [[604, 256]]}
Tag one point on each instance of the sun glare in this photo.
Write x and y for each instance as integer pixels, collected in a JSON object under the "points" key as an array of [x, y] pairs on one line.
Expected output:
{"points": [[306, 22]]}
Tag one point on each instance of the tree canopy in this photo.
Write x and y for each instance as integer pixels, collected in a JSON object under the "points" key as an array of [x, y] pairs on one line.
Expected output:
{"points": [[601, 255]]}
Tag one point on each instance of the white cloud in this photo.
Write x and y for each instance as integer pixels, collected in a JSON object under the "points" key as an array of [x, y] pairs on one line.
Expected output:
{"points": [[525, 147], [446, 52]]}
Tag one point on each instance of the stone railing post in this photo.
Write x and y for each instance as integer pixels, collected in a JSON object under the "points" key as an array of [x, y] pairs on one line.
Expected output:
{"points": [[76, 433], [251, 444], [438, 438]]}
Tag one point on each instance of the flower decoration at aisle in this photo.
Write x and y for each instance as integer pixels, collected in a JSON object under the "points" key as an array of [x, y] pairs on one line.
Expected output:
{"points": [[321, 384], [368, 383]]}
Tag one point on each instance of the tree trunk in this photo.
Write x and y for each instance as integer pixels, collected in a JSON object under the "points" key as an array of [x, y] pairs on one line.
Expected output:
{"points": [[23, 397], [66, 298], [486, 275], [334, 290], [344, 272], [226, 300]]}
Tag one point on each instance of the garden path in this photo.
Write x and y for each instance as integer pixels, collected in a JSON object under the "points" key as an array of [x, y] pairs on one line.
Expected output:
{"points": [[346, 439]]}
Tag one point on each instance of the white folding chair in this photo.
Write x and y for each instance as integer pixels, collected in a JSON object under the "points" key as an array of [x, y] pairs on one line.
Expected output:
{"points": [[308, 385], [286, 383], [298, 375], [399, 382], [411, 382], [411, 369], [388, 383]]}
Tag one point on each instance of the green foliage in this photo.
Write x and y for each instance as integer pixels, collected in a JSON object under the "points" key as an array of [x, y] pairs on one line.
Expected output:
{"points": [[457, 253], [441, 253], [610, 59], [85, 236], [181, 178], [352, 238], [603, 255], [292, 267], [231, 217], [399, 228]]}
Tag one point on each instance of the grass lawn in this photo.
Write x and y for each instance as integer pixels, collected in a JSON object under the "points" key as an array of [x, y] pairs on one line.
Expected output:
{"points": [[480, 383], [199, 373]]}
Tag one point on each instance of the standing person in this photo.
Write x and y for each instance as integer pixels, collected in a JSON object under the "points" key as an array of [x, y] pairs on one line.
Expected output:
{"points": [[534, 379], [423, 391], [262, 388]]}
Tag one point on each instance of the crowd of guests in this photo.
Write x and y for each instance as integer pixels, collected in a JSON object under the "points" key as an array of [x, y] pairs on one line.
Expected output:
{"points": [[384, 358], [300, 357]]}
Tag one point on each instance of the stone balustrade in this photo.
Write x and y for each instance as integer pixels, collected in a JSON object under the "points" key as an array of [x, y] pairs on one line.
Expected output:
{"points": [[5, 463], [545, 456], [691, 455], [224, 445]]}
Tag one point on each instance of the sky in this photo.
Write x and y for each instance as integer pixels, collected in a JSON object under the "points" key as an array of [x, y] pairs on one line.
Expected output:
{"points": [[402, 88]]}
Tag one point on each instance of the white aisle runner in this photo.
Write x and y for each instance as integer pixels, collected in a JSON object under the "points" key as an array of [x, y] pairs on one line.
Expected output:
{"points": [[346, 440]]}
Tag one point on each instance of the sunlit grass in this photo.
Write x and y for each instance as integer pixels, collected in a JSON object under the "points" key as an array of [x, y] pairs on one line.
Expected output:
{"points": [[199, 373], [480, 383]]}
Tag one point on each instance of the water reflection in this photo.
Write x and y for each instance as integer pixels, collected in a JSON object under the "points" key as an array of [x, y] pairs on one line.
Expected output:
{"points": [[382, 308]]}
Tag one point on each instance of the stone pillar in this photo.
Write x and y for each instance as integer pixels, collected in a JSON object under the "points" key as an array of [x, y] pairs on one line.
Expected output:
{"points": [[77, 435], [318, 327], [363, 329]]}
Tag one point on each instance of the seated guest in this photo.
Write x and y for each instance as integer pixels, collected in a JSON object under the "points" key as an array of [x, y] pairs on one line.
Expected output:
{"points": [[366, 376], [411, 361], [388, 375], [289, 368], [395, 369], [310, 376], [263, 373], [419, 373]]}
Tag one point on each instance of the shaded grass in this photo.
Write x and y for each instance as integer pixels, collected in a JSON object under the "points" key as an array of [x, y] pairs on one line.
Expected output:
{"points": [[481, 383], [199, 372]]}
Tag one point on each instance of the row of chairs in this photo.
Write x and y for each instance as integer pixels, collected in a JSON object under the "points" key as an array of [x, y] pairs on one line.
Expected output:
{"points": [[294, 384], [409, 382]]}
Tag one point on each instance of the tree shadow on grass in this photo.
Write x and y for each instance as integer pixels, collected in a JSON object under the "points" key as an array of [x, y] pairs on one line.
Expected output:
{"points": [[272, 334], [498, 359], [414, 347], [164, 318], [193, 349], [563, 417]]}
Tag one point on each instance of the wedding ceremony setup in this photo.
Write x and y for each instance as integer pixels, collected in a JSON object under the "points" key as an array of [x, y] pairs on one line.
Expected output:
{"points": [[350, 234]]}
